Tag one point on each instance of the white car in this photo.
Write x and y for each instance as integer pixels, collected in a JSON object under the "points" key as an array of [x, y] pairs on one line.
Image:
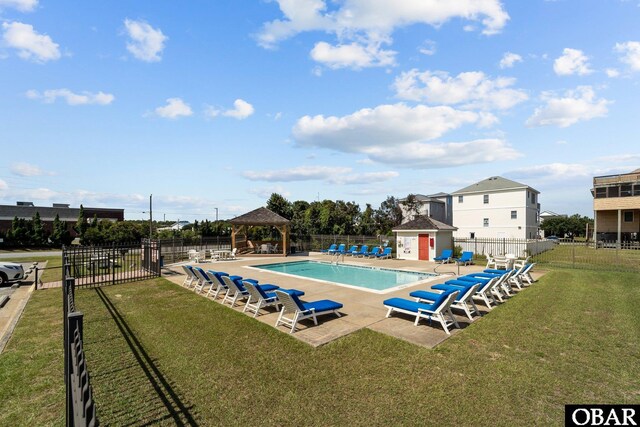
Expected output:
{"points": [[10, 272]]}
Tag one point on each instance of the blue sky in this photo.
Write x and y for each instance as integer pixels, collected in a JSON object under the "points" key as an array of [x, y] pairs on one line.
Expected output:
{"points": [[217, 104]]}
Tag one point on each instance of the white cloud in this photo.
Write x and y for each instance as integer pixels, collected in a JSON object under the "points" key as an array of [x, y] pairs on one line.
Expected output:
{"points": [[241, 110], [576, 105], [21, 5], [175, 108], [146, 43], [433, 155], [84, 98], [30, 44], [612, 72], [572, 61], [329, 174], [3, 185], [353, 55], [554, 171], [26, 169], [469, 89], [399, 135], [630, 54], [360, 26], [428, 48], [509, 59]]}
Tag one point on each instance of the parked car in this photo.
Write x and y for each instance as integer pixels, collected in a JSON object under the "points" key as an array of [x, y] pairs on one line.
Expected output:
{"points": [[10, 272], [554, 239]]}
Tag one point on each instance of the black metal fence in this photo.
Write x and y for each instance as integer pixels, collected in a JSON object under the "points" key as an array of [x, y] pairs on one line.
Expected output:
{"points": [[503, 246], [113, 264], [318, 242], [177, 250], [80, 407], [607, 255]]}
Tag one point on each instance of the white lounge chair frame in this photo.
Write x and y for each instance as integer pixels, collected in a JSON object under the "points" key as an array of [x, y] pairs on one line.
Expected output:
{"points": [[289, 305], [438, 314], [256, 301], [190, 277], [234, 294], [462, 302]]}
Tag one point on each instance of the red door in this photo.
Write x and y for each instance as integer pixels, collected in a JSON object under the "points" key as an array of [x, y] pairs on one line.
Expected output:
{"points": [[423, 247]]}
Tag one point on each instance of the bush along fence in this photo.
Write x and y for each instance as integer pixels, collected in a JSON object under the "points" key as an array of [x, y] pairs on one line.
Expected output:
{"points": [[80, 407], [113, 264]]}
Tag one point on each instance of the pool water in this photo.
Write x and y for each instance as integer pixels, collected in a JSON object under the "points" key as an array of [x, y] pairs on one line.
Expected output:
{"points": [[371, 278]]}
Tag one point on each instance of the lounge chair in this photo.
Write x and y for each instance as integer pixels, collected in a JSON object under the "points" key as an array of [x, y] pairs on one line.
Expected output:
{"points": [[203, 280], [339, 250], [386, 253], [220, 284], [486, 292], [260, 299], [238, 292], [300, 310], [351, 250], [445, 257], [331, 249], [190, 276], [373, 253], [362, 252], [465, 259], [465, 297], [436, 310]]}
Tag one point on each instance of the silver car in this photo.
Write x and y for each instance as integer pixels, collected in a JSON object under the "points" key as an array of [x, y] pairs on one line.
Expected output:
{"points": [[10, 272]]}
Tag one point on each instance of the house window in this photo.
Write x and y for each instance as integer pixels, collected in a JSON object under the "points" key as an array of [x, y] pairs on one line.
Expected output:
{"points": [[485, 222], [460, 199], [514, 214], [472, 235], [601, 193], [486, 199], [625, 190], [636, 190], [533, 197], [613, 191], [628, 216]]}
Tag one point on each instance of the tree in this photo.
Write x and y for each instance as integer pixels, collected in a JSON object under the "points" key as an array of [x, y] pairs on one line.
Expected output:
{"points": [[60, 234], [38, 235], [411, 206], [367, 223], [573, 226], [279, 205], [298, 224], [81, 224], [388, 215]]}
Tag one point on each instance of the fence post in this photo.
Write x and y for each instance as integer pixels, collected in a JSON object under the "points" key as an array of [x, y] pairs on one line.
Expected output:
{"points": [[573, 254]]}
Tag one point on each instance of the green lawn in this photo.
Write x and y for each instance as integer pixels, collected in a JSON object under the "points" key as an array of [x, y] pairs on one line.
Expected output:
{"points": [[582, 256], [52, 273], [160, 354]]}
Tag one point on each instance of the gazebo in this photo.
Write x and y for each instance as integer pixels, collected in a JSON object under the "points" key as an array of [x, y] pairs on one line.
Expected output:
{"points": [[260, 217]]}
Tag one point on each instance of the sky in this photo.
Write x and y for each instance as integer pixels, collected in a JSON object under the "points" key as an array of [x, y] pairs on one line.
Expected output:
{"points": [[211, 106]]}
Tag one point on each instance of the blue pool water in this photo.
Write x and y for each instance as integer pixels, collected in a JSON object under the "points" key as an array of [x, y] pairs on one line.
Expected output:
{"points": [[373, 278]]}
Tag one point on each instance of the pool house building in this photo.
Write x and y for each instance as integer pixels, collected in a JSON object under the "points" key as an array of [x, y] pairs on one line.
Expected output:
{"points": [[423, 238]]}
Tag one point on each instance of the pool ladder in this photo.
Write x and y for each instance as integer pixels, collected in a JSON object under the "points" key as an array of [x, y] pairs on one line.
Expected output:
{"points": [[336, 258]]}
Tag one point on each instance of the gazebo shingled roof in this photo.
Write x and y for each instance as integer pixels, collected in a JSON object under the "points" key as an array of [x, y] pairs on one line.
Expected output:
{"points": [[257, 217], [260, 216]]}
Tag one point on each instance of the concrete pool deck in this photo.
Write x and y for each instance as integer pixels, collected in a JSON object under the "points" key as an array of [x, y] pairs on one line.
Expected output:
{"points": [[362, 308]]}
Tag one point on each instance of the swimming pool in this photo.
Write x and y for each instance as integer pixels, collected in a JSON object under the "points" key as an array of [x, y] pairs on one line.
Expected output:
{"points": [[374, 279]]}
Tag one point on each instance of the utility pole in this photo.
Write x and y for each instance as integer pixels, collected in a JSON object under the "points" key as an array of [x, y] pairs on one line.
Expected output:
{"points": [[150, 216], [216, 214]]}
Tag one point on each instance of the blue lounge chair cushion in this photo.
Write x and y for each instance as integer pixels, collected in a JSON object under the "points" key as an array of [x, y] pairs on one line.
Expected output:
{"points": [[289, 291], [460, 283], [433, 296], [446, 254], [385, 253], [485, 275], [322, 305], [495, 271], [474, 279], [408, 305]]}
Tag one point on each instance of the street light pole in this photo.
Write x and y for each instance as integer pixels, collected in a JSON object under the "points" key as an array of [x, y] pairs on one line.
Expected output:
{"points": [[216, 214]]}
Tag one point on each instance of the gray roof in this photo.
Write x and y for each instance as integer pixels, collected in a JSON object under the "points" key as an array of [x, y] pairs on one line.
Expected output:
{"points": [[440, 194], [8, 212], [424, 223], [260, 216], [494, 183]]}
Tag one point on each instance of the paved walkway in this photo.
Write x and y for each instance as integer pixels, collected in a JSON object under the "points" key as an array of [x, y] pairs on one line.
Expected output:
{"points": [[362, 308]]}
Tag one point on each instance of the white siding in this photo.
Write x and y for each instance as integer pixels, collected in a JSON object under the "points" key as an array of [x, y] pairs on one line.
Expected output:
{"points": [[469, 215]]}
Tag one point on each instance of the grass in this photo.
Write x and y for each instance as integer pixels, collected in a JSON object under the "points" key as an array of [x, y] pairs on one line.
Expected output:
{"points": [[159, 354], [52, 273], [582, 256]]}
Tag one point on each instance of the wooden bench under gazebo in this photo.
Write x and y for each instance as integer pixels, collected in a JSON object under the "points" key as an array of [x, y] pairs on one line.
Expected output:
{"points": [[241, 225]]}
